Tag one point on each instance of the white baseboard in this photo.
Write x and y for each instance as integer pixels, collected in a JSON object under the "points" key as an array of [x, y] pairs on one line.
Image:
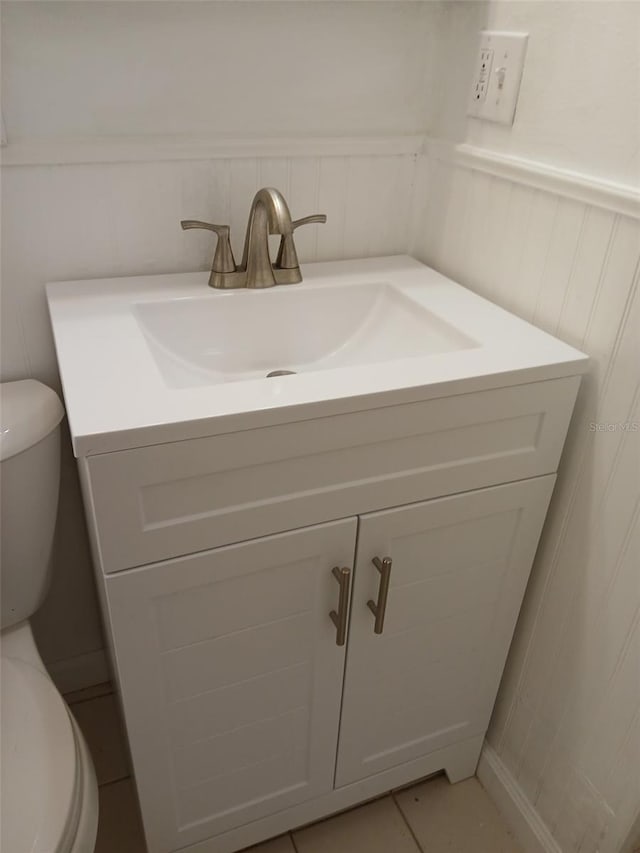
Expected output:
{"points": [[79, 672], [523, 820]]}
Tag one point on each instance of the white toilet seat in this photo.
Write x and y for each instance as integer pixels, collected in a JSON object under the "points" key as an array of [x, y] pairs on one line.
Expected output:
{"points": [[48, 793]]}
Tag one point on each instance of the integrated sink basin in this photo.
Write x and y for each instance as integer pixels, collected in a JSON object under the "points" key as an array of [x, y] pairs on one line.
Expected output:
{"points": [[247, 334], [153, 359]]}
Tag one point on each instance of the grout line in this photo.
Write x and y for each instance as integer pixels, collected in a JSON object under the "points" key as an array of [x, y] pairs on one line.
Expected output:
{"points": [[107, 684], [293, 841], [114, 781], [75, 702], [406, 822]]}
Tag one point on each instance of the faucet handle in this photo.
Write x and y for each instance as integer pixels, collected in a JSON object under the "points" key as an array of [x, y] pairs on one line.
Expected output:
{"points": [[308, 220], [223, 260], [287, 255]]}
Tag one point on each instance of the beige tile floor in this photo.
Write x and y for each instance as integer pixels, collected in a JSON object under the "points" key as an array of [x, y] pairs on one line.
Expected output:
{"points": [[430, 817]]}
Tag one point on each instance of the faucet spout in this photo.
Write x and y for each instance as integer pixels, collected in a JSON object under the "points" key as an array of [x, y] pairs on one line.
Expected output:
{"points": [[269, 215]]}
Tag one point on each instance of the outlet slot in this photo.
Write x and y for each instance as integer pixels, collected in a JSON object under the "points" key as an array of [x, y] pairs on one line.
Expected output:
{"points": [[485, 63]]}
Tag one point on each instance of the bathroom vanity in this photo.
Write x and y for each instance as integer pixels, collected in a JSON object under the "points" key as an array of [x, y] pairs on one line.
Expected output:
{"points": [[309, 582]]}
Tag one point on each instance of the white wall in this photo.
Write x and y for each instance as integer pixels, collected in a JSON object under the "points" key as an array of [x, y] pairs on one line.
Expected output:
{"points": [[577, 107], [223, 68], [566, 728]]}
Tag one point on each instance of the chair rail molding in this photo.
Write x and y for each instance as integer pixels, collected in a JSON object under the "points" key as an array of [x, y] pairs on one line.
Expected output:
{"points": [[135, 149], [609, 195], [619, 198]]}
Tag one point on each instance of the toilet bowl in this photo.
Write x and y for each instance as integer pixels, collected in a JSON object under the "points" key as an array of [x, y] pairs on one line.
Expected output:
{"points": [[48, 793]]}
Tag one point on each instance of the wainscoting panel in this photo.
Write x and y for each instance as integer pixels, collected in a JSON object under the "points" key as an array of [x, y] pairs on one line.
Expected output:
{"points": [[567, 723]]}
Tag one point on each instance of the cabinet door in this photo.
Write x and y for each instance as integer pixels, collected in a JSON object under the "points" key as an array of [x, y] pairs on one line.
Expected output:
{"points": [[231, 680], [458, 574]]}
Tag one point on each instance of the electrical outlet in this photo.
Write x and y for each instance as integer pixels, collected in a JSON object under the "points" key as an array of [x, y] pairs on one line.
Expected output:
{"points": [[483, 74], [496, 80]]}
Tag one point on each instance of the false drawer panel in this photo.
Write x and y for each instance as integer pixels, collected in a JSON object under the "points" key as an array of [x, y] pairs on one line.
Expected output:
{"points": [[158, 502]]}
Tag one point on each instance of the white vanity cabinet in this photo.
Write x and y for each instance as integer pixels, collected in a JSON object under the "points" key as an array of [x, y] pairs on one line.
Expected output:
{"points": [[219, 563], [238, 705], [424, 425]]}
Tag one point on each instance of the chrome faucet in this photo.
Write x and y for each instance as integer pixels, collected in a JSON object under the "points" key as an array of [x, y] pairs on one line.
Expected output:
{"points": [[269, 214]]}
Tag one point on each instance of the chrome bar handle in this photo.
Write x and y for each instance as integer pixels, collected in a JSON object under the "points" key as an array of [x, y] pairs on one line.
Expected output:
{"points": [[379, 609], [339, 619]]}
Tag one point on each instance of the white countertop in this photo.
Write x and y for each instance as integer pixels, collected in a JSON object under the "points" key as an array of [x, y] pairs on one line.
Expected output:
{"points": [[116, 397]]}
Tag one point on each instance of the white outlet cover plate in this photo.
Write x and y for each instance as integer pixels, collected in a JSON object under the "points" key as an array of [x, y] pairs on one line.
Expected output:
{"points": [[493, 96]]}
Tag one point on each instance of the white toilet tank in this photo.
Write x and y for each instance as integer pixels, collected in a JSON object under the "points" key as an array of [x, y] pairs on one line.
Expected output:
{"points": [[30, 414]]}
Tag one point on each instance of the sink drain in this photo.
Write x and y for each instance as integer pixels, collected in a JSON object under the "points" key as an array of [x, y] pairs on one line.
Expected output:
{"points": [[280, 373]]}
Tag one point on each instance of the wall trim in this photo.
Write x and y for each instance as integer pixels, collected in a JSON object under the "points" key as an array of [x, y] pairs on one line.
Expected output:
{"points": [[79, 672], [530, 831], [135, 149], [619, 198]]}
